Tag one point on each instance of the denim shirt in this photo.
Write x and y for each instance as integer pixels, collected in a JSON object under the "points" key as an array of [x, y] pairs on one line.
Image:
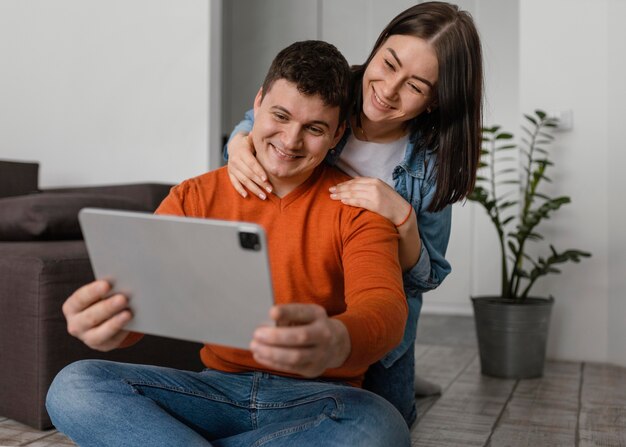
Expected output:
{"points": [[415, 180]]}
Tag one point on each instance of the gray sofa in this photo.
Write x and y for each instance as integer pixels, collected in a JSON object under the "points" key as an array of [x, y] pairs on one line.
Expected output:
{"points": [[42, 261]]}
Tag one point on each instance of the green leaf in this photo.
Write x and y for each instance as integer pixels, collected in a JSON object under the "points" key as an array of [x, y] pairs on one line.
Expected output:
{"points": [[493, 129], [534, 236], [521, 273], [531, 119], [507, 220], [505, 171], [504, 136], [508, 204], [546, 135]]}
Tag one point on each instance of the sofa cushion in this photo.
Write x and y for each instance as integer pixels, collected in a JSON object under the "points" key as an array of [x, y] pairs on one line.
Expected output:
{"points": [[53, 216], [17, 178]]}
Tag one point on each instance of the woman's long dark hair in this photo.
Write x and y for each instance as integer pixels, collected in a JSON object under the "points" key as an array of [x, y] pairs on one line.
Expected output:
{"points": [[453, 127]]}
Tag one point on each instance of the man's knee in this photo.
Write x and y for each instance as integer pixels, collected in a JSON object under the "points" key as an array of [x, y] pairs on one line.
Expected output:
{"points": [[375, 420], [69, 387]]}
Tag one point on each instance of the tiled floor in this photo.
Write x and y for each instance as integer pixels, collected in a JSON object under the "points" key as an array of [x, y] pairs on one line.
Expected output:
{"points": [[574, 404]]}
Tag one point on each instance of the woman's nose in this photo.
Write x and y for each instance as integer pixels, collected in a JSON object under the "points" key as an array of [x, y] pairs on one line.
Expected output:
{"points": [[391, 86]]}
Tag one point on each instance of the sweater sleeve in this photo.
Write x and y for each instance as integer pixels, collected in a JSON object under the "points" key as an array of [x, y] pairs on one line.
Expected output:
{"points": [[177, 202], [376, 307]]}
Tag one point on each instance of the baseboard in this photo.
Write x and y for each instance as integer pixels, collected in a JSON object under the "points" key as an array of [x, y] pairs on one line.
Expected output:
{"points": [[443, 308]]}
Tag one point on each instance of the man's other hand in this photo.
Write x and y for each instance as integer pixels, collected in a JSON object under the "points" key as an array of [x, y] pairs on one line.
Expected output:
{"points": [[95, 318], [305, 341]]}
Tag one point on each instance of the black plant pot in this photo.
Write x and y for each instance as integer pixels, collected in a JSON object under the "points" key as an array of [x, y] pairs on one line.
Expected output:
{"points": [[512, 337]]}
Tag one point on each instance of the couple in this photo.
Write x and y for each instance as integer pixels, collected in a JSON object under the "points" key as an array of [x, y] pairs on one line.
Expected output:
{"points": [[339, 311]]}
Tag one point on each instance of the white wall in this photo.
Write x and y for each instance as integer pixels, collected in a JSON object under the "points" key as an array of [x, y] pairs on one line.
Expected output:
{"points": [[104, 91], [617, 182], [564, 65], [254, 31]]}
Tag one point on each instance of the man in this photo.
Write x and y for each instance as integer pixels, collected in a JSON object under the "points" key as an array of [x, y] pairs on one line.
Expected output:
{"points": [[338, 292]]}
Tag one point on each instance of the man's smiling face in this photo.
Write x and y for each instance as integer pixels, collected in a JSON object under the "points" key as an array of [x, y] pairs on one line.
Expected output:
{"points": [[292, 134]]}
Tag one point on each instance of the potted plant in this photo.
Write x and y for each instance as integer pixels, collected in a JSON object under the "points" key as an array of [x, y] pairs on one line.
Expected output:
{"points": [[512, 328]]}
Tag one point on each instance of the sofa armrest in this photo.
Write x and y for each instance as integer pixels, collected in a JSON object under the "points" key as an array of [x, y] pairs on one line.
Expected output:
{"points": [[17, 178], [148, 194]]}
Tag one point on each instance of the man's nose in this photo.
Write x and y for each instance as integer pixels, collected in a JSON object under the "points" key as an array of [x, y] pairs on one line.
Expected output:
{"points": [[292, 136]]}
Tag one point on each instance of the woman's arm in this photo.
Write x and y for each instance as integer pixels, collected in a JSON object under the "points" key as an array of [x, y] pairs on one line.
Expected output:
{"points": [[375, 195], [432, 267], [244, 170], [410, 244], [423, 237]]}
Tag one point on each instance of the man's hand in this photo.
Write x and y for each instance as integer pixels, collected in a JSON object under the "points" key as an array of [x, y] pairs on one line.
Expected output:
{"points": [[96, 320], [305, 341]]}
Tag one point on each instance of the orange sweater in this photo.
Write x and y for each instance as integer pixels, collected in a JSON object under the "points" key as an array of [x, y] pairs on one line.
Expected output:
{"points": [[321, 251]]}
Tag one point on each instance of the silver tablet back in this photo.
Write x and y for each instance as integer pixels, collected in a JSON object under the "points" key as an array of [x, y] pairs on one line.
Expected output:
{"points": [[194, 279]]}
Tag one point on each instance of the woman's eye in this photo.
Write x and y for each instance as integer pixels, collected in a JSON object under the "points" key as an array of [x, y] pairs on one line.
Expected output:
{"points": [[415, 88], [390, 65]]}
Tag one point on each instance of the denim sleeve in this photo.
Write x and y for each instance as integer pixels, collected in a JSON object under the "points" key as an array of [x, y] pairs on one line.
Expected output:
{"points": [[244, 126], [432, 266]]}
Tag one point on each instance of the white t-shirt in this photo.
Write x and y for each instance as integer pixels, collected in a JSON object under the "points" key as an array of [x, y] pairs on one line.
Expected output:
{"points": [[367, 159]]}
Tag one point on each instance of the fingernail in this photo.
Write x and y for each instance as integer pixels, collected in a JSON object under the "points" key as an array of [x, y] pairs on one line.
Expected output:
{"points": [[333, 196], [332, 189], [262, 196], [269, 189]]}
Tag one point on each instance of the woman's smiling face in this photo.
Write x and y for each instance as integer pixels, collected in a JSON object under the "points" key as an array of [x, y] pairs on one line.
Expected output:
{"points": [[400, 81]]}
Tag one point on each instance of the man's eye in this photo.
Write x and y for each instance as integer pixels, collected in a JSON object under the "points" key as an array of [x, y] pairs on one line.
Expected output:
{"points": [[280, 116], [316, 130]]}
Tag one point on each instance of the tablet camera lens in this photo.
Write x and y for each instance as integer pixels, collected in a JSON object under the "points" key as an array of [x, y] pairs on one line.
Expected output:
{"points": [[249, 241]]}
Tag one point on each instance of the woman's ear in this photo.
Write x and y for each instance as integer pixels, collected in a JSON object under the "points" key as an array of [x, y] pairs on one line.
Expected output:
{"points": [[432, 106]]}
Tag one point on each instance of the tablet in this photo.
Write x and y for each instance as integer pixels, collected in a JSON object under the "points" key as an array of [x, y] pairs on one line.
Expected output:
{"points": [[201, 280]]}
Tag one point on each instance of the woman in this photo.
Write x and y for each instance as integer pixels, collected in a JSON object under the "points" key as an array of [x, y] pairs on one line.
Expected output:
{"points": [[413, 146]]}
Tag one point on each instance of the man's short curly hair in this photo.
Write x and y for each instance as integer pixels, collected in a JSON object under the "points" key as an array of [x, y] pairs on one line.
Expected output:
{"points": [[316, 68]]}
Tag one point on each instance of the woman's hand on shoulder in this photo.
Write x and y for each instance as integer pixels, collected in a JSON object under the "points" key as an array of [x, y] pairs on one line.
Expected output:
{"points": [[244, 171], [374, 195]]}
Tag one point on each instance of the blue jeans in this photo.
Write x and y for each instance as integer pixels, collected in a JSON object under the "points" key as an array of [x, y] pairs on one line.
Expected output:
{"points": [[395, 384], [100, 403]]}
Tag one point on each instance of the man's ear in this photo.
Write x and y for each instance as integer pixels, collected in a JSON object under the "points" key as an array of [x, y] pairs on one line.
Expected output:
{"points": [[339, 133], [257, 100]]}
